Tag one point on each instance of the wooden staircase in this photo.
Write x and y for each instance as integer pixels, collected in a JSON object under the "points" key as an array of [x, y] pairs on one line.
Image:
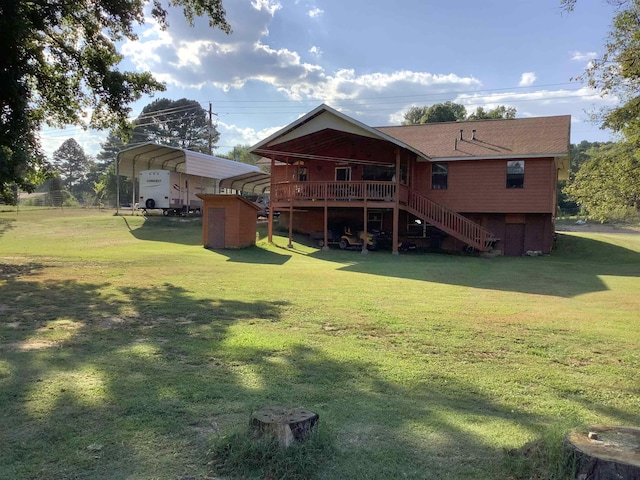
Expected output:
{"points": [[450, 222]]}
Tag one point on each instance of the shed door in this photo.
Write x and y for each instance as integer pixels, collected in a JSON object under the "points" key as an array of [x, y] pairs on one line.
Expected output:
{"points": [[215, 227], [514, 241]]}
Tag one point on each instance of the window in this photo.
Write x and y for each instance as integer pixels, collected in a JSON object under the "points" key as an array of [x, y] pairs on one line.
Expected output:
{"points": [[300, 174], [515, 174], [439, 175], [343, 174]]}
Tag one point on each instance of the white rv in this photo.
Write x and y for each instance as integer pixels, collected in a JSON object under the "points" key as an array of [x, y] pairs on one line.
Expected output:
{"points": [[172, 192]]}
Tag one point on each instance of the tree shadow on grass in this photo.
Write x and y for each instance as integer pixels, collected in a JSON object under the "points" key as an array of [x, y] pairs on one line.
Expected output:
{"points": [[104, 383], [573, 269], [178, 230], [88, 373], [6, 225]]}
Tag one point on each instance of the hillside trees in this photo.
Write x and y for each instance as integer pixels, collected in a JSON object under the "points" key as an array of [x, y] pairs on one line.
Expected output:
{"points": [[499, 112], [607, 185], [58, 61], [240, 153], [439, 112], [453, 112]]}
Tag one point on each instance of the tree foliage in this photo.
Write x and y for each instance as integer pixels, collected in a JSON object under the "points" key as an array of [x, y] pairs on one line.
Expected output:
{"points": [[439, 112], [453, 112], [617, 71], [71, 164], [178, 123], [499, 112], [607, 185], [58, 61]]}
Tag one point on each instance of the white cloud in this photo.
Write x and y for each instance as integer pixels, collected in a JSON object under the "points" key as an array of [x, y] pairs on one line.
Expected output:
{"points": [[315, 51], [527, 79], [582, 57], [316, 12], [234, 135], [266, 5]]}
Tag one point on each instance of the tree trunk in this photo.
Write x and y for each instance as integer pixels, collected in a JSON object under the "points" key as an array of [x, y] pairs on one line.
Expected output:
{"points": [[284, 424], [605, 453]]}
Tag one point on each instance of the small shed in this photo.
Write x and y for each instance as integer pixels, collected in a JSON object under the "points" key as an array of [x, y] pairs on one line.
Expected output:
{"points": [[228, 221]]}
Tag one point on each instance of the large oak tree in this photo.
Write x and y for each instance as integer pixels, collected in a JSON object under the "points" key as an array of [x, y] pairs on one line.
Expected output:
{"points": [[58, 61]]}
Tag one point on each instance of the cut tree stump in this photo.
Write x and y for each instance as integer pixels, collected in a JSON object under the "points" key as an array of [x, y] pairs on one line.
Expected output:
{"points": [[605, 452], [285, 424]]}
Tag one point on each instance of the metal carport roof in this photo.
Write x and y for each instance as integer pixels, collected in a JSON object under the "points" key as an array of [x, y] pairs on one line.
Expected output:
{"points": [[256, 182], [151, 156]]}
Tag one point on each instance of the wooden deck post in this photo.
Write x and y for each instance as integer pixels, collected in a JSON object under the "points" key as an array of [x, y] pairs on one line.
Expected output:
{"points": [[290, 224], [325, 247], [270, 219], [366, 230], [396, 204]]}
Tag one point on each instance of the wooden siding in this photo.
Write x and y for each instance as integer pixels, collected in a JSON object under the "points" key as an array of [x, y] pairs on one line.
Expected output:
{"points": [[240, 220], [480, 186]]}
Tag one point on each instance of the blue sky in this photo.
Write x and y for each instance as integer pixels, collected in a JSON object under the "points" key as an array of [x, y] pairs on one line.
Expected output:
{"points": [[372, 60]]}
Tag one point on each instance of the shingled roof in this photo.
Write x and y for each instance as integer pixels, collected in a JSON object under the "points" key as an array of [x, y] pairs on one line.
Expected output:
{"points": [[518, 137]]}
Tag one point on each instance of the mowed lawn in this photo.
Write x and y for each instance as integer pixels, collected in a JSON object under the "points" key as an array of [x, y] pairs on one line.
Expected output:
{"points": [[127, 350]]}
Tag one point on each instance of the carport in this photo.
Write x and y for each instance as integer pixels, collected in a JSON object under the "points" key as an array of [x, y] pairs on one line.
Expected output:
{"points": [[211, 170]]}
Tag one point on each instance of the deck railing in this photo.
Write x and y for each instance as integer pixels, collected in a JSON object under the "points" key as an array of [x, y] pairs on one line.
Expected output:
{"points": [[333, 191], [450, 222], [446, 220]]}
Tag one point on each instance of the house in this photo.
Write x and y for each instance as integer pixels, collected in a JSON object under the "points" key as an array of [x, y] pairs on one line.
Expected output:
{"points": [[477, 185]]}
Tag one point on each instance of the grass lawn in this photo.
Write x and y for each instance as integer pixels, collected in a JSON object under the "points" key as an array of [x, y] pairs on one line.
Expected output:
{"points": [[128, 351]]}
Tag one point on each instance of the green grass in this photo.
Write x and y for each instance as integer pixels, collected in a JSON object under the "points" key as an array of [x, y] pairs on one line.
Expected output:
{"points": [[129, 351]]}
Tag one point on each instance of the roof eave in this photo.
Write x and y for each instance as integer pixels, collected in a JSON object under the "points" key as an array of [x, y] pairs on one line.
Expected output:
{"points": [[325, 108]]}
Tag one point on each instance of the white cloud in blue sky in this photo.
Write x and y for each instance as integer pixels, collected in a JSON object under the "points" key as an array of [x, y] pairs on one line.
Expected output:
{"points": [[527, 79], [370, 60], [583, 56]]}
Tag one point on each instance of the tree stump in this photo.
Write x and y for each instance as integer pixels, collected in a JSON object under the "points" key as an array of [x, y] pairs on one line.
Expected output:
{"points": [[606, 452], [284, 424]]}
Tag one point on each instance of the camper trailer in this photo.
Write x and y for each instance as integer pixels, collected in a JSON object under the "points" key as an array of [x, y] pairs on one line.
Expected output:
{"points": [[172, 192]]}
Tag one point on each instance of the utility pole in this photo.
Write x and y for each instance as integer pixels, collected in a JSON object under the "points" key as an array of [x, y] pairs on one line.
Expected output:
{"points": [[210, 127]]}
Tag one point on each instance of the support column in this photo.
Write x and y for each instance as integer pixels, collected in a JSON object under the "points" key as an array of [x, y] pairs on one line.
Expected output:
{"points": [[290, 225], [270, 219], [366, 230], [290, 194], [325, 247], [396, 204]]}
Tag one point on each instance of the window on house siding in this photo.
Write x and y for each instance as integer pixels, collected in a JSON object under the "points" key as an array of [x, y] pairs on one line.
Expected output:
{"points": [[343, 174], [439, 176], [300, 174], [515, 174]]}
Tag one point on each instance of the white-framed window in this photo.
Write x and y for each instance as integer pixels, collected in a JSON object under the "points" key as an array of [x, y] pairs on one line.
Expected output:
{"points": [[515, 174], [343, 174], [439, 176]]}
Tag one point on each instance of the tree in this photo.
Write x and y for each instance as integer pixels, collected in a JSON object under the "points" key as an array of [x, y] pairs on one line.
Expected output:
{"points": [[608, 184], [580, 154], [178, 123], [58, 60], [617, 71], [499, 112], [454, 112], [439, 112], [240, 153], [72, 164]]}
